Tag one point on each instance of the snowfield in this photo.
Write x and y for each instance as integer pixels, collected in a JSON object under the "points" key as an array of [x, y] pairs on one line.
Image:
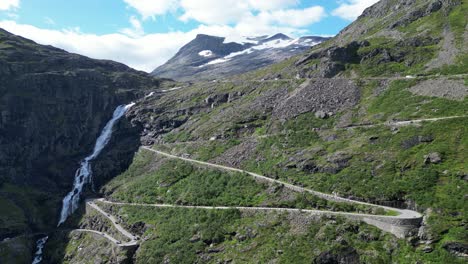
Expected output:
{"points": [[274, 44]]}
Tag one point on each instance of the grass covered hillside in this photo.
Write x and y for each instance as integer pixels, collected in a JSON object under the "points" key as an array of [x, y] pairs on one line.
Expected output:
{"points": [[377, 114], [197, 236], [365, 152]]}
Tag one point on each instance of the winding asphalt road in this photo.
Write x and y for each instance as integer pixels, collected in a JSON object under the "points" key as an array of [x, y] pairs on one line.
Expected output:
{"points": [[113, 240], [134, 240], [245, 208], [406, 122], [390, 78], [402, 213]]}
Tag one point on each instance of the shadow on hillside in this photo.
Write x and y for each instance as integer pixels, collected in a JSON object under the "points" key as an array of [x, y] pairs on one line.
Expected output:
{"points": [[115, 159]]}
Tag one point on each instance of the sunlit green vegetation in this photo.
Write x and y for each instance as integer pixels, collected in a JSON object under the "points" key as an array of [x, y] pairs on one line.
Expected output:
{"points": [[180, 183], [210, 236]]}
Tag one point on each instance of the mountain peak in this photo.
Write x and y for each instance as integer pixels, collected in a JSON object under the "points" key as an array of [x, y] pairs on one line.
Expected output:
{"points": [[277, 36], [208, 57], [209, 37]]}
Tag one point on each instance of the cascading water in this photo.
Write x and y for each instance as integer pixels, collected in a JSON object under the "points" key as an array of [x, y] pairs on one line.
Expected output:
{"points": [[84, 174], [40, 246]]}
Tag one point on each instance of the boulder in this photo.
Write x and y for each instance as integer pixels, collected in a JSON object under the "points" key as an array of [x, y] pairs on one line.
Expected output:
{"points": [[321, 114], [416, 140], [432, 158], [217, 99], [427, 249], [434, 7]]}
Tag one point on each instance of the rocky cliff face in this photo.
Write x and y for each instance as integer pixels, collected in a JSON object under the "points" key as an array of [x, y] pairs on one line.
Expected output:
{"points": [[53, 105], [208, 57]]}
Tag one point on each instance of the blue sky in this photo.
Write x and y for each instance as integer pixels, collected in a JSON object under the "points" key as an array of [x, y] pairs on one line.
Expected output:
{"points": [[145, 33]]}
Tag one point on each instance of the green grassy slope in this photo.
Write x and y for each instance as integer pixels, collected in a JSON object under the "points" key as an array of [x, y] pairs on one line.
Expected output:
{"points": [[190, 235], [154, 180], [379, 163]]}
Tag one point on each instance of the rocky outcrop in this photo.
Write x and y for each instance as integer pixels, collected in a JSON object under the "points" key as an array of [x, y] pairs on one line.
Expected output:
{"points": [[376, 38], [155, 121], [416, 140], [433, 158], [347, 255], [388, 15], [326, 95], [444, 88], [332, 60], [304, 161], [236, 155], [457, 248], [417, 14]]}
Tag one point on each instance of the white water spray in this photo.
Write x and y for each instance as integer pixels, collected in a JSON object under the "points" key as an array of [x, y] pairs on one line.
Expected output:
{"points": [[40, 246], [84, 174]]}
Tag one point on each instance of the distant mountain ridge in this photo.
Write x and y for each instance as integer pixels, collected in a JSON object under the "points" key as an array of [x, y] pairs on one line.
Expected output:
{"points": [[209, 57]]}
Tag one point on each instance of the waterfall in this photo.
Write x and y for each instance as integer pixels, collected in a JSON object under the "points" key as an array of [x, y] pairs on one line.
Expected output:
{"points": [[40, 246], [84, 173]]}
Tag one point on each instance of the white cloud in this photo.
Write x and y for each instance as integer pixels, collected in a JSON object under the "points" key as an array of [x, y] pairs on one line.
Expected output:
{"points": [[295, 17], [214, 12], [272, 12], [351, 9], [135, 30], [233, 19], [9, 4], [142, 52], [152, 8]]}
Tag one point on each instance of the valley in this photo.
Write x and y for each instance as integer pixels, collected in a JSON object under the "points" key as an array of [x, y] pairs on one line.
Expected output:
{"points": [[351, 149]]}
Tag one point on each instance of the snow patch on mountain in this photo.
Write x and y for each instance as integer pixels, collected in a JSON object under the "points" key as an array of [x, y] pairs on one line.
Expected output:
{"points": [[273, 44], [206, 53], [212, 57], [221, 60]]}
